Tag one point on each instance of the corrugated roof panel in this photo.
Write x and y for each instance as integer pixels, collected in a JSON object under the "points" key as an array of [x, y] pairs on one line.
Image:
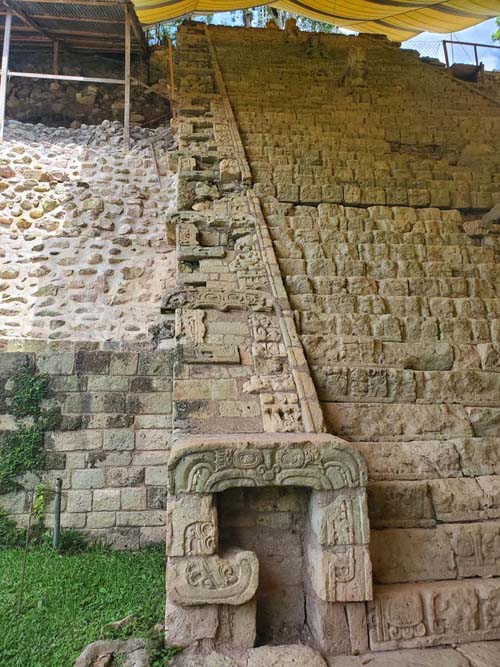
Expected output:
{"points": [[96, 25]]}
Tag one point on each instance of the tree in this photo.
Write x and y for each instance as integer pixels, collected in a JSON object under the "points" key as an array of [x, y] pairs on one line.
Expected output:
{"points": [[496, 35]]}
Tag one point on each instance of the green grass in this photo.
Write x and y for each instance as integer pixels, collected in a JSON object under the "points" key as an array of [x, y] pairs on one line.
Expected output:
{"points": [[69, 598]]}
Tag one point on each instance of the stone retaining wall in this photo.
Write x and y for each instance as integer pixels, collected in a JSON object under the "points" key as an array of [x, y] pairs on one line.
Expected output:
{"points": [[112, 446]]}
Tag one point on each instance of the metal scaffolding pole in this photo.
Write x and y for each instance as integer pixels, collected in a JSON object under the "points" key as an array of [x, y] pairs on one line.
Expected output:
{"points": [[5, 69], [126, 113]]}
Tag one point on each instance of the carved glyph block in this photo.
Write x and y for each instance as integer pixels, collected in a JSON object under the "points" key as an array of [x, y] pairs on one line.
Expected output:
{"points": [[211, 354], [281, 413], [189, 326], [341, 573], [219, 299], [231, 578], [210, 464], [191, 525], [339, 519], [416, 615]]}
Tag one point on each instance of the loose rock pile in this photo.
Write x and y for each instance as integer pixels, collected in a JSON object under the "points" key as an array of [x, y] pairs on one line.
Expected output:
{"points": [[82, 249], [64, 102]]}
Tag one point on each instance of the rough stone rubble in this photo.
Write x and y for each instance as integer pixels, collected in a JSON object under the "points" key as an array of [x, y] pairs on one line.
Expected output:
{"points": [[82, 228]]}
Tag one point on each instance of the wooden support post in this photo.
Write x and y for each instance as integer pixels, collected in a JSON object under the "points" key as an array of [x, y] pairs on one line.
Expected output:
{"points": [[126, 113], [171, 70], [446, 59], [56, 57], [5, 69], [475, 55]]}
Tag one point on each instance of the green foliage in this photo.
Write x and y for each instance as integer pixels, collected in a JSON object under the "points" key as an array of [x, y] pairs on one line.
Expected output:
{"points": [[69, 599], [29, 390], [10, 534], [496, 35], [23, 450]]}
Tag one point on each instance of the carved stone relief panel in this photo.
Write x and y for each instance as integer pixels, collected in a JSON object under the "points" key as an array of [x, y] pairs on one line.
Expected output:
{"points": [[189, 326], [191, 525], [415, 615], [206, 297], [340, 574], [231, 578], [207, 466]]}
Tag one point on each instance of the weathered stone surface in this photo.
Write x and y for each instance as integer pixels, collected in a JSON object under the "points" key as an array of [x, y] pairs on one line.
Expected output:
{"points": [[320, 462], [191, 525], [284, 656], [480, 654], [237, 626], [418, 615], [187, 625], [231, 578], [218, 299], [339, 518], [131, 651], [341, 573], [436, 657]]}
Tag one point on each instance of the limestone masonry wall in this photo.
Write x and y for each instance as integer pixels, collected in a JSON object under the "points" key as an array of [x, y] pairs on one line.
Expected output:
{"points": [[112, 446]]}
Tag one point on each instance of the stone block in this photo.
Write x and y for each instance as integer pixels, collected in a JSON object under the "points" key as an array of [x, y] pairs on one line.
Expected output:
{"points": [[192, 528], [339, 574], [55, 363], [75, 520], [151, 535], [87, 479], [101, 520], [418, 615], [327, 623], [66, 441], [237, 626], [156, 476], [479, 456], [231, 578], [91, 362], [130, 476], [142, 518], [79, 501], [95, 402], [106, 500], [339, 518], [416, 554], [133, 499], [107, 383], [480, 654], [284, 656], [155, 363], [123, 363], [400, 505], [414, 460], [188, 625], [119, 440], [152, 439], [457, 500], [149, 403]]}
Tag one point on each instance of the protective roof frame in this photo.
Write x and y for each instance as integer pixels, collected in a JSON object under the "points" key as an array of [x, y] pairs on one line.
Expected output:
{"points": [[24, 24]]}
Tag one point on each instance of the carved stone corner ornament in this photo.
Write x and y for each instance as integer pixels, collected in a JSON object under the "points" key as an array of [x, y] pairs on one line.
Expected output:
{"points": [[210, 464], [218, 299], [231, 578]]}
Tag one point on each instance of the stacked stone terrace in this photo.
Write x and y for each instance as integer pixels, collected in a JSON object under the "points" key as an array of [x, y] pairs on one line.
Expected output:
{"points": [[371, 169]]}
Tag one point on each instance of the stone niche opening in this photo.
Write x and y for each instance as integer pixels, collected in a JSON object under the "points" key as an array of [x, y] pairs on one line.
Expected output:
{"points": [[265, 535], [271, 522]]}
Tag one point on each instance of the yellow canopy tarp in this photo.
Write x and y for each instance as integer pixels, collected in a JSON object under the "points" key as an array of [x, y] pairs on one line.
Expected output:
{"points": [[398, 19]]}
